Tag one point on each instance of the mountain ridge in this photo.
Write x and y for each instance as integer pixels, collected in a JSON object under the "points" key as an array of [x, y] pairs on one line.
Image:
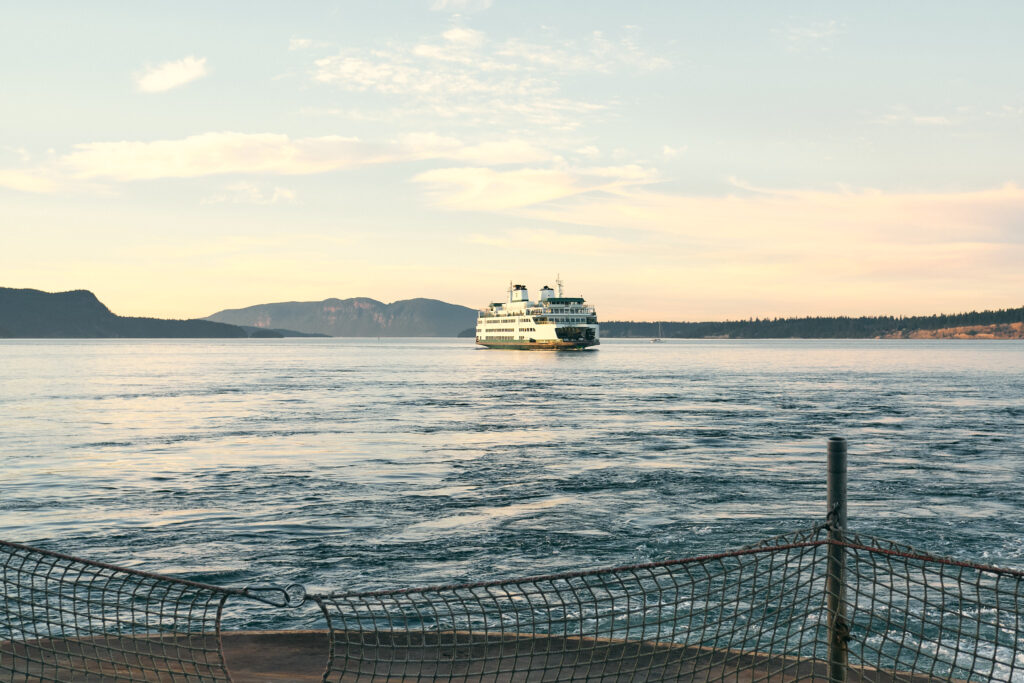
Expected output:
{"points": [[33, 313], [356, 317]]}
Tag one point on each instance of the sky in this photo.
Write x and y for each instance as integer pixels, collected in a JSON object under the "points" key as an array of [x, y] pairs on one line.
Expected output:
{"points": [[669, 160]]}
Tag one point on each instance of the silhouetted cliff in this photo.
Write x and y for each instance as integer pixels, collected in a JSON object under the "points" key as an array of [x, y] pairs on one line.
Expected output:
{"points": [[33, 314]]}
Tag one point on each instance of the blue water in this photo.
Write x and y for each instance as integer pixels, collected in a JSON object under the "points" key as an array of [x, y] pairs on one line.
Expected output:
{"points": [[352, 464]]}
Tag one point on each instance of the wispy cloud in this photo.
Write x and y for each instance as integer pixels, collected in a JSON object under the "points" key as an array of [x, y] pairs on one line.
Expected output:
{"points": [[494, 153], [598, 53], [932, 121], [806, 220], [481, 82], [843, 236], [248, 193], [305, 44], [487, 189], [33, 181], [632, 173], [171, 74], [22, 154], [225, 152], [813, 36], [537, 240], [903, 114], [484, 189], [1006, 112], [217, 153], [461, 5]]}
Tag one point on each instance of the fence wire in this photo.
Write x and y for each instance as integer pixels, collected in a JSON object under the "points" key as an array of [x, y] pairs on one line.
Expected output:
{"points": [[65, 618], [941, 618], [695, 619], [758, 613]]}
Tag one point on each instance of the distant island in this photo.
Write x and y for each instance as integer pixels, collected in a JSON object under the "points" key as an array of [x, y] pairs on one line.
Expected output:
{"points": [[357, 317], [1005, 323], [31, 313]]}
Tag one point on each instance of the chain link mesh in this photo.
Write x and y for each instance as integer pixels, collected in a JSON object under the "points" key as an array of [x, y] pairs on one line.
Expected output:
{"points": [[696, 619], [67, 619], [754, 614], [945, 619], [758, 613]]}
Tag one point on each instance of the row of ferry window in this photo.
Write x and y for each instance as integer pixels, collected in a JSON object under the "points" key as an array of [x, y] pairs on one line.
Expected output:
{"points": [[556, 318], [510, 329], [552, 311]]}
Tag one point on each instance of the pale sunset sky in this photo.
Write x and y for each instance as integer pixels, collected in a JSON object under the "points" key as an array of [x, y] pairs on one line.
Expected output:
{"points": [[671, 160]]}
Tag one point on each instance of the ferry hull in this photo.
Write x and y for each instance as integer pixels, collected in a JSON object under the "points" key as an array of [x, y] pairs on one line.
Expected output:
{"points": [[540, 345]]}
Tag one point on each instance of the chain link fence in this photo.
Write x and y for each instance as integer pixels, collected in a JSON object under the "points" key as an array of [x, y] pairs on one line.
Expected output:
{"points": [[62, 616], [757, 613]]}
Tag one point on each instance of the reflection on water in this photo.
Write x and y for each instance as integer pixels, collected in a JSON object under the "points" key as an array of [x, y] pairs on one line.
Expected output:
{"points": [[356, 464]]}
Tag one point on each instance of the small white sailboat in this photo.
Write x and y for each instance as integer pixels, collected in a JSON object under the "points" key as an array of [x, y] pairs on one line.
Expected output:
{"points": [[657, 340]]}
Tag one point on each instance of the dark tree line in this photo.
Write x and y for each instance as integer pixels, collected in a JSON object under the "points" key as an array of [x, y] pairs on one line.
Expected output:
{"points": [[839, 327]]}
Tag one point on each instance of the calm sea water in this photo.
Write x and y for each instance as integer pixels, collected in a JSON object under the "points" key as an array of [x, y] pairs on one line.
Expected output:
{"points": [[350, 464]]}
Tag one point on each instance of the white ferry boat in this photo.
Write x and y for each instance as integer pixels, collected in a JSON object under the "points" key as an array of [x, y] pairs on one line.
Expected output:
{"points": [[553, 322]]}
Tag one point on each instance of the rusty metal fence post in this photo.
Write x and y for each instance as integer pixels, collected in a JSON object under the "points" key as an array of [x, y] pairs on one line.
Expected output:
{"points": [[838, 628]]}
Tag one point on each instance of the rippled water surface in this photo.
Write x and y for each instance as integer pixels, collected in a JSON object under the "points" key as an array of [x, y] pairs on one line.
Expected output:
{"points": [[351, 464]]}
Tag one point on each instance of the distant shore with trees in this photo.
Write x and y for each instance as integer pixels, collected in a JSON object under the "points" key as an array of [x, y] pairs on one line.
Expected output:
{"points": [[1005, 323], [28, 313]]}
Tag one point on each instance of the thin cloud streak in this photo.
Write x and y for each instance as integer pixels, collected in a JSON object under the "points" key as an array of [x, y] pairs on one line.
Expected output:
{"points": [[170, 75], [534, 240], [487, 189], [484, 189], [818, 216], [901, 114], [32, 181], [815, 36], [460, 5], [248, 193], [225, 152]]}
